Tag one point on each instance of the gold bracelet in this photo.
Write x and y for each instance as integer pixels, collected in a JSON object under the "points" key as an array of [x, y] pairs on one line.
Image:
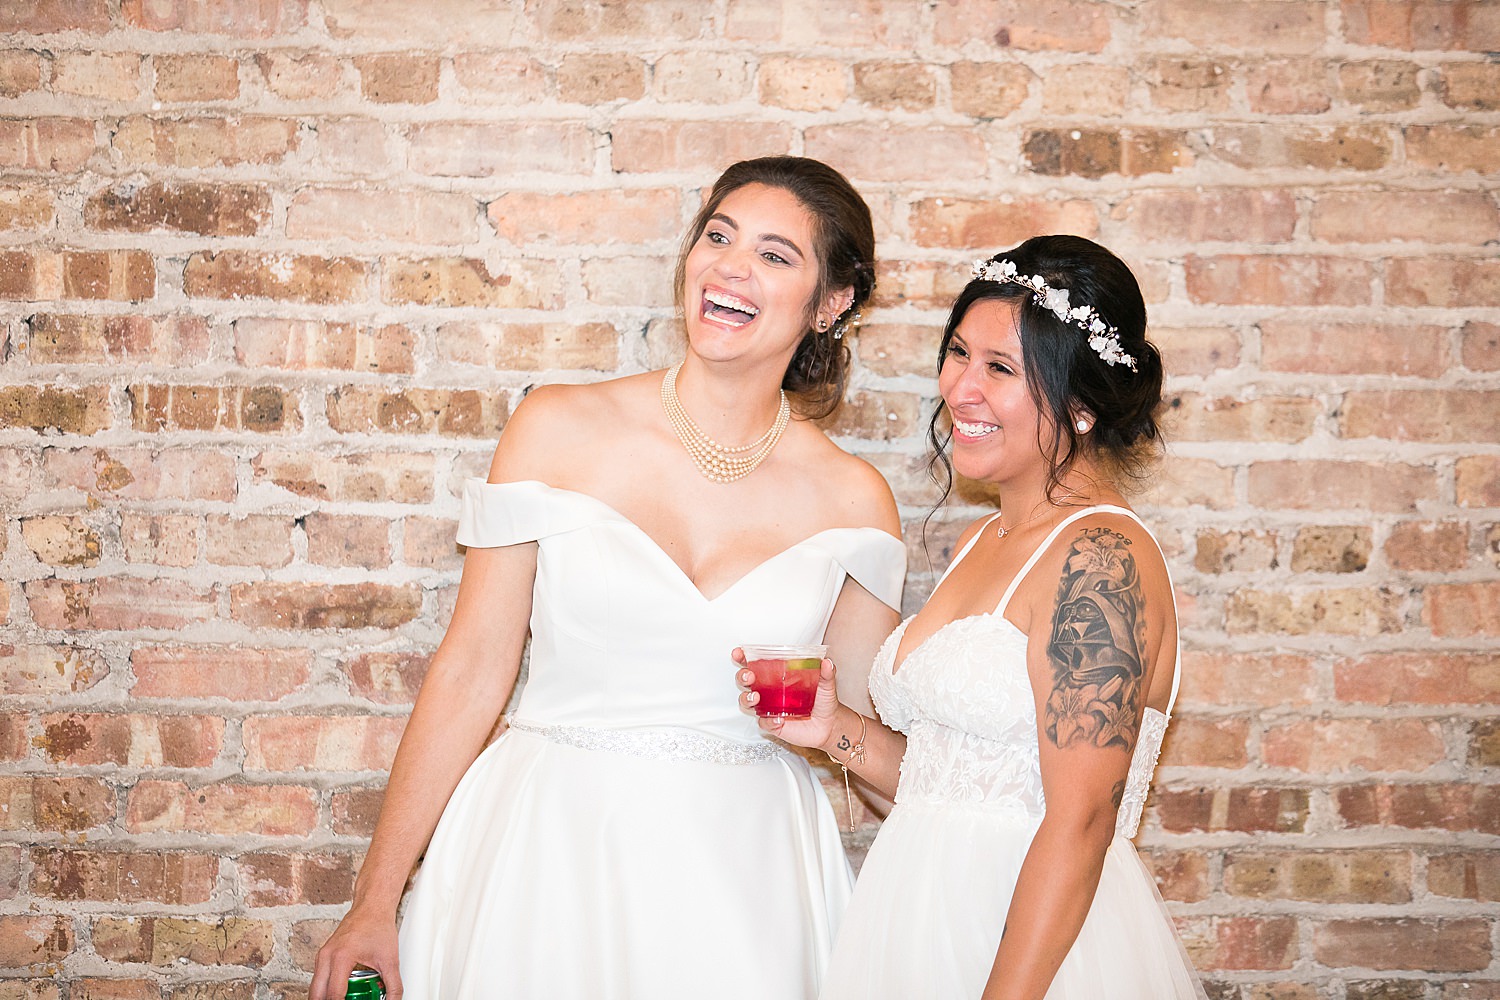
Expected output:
{"points": [[856, 756]]}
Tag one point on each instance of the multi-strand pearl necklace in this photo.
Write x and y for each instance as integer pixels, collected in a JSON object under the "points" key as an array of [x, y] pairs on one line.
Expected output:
{"points": [[719, 463]]}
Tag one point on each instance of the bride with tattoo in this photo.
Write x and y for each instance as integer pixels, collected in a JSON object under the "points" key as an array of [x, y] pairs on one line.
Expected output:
{"points": [[1022, 709]]}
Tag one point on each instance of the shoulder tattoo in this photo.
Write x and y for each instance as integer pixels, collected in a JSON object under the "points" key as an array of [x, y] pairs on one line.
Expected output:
{"points": [[1096, 647]]}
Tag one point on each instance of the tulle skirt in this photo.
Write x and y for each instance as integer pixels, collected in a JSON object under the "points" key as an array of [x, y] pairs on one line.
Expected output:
{"points": [[931, 902], [559, 873]]}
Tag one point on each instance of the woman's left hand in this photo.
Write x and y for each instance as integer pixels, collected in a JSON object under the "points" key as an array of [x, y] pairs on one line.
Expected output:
{"points": [[815, 731]]}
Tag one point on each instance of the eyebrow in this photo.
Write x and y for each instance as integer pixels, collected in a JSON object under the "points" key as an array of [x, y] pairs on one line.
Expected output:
{"points": [[992, 353], [768, 237]]}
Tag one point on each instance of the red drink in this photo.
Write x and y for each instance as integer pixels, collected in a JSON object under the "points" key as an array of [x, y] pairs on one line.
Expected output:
{"points": [[785, 677]]}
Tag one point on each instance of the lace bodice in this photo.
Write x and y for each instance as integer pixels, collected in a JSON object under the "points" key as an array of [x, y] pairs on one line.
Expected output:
{"points": [[964, 700]]}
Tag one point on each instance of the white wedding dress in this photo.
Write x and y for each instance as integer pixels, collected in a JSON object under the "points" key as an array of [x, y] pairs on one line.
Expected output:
{"points": [[633, 834], [933, 894]]}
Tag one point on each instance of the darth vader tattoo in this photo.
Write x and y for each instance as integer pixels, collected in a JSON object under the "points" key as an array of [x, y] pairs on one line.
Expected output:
{"points": [[1096, 647]]}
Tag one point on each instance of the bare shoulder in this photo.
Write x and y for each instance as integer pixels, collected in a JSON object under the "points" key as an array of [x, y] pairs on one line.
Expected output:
{"points": [[1107, 538], [862, 495], [553, 423]]}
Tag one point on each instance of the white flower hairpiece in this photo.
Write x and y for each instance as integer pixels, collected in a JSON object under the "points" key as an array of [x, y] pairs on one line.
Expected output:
{"points": [[1103, 338]]}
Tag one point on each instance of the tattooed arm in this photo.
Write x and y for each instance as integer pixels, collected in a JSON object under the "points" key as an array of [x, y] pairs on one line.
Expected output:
{"points": [[1088, 658]]}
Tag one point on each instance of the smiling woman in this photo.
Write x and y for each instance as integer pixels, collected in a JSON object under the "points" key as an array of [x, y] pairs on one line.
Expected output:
{"points": [[691, 511]]}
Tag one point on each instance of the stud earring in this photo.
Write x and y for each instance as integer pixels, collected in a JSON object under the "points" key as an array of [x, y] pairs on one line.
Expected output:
{"points": [[822, 324], [1083, 426]]}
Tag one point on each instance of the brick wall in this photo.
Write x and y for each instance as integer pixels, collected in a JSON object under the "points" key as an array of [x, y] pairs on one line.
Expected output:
{"points": [[273, 272]]}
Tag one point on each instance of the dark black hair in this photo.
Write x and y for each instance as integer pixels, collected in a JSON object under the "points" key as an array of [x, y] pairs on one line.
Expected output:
{"points": [[1067, 377], [844, 242]]}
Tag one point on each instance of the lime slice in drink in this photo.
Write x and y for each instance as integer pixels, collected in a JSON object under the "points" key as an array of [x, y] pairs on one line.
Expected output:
{"points": [[804, 663]]}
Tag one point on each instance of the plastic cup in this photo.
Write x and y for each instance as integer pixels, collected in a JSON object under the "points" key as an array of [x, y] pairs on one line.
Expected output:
{"points": [[786, 678]]}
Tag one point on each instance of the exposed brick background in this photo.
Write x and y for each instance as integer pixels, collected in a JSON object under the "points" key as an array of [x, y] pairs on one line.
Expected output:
{"points": [[274, 272]]}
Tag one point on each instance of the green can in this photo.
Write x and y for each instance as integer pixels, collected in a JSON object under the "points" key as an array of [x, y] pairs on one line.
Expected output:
{"points": [[365, 984]]}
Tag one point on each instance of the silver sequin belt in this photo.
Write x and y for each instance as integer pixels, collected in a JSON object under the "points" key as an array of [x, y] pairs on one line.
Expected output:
{"points": [[656, 744]]}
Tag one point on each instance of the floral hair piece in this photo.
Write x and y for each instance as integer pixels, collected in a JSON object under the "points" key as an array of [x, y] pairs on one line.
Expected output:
{"points": [[1103, 338]]}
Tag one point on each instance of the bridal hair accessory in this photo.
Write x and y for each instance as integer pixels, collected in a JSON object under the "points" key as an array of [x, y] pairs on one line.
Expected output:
{"points": [[718, 463], [1103, 338]]}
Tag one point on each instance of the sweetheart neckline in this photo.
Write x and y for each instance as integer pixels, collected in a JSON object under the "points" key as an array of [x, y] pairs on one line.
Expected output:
{"points": [[681, 573]]}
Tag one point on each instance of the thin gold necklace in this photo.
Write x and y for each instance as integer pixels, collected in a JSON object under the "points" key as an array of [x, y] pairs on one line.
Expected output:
{"points": [[719, 463], [1001, 530]]}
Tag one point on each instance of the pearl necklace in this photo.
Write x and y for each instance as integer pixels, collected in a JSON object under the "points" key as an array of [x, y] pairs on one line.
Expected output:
{"points": [[719, 463]]}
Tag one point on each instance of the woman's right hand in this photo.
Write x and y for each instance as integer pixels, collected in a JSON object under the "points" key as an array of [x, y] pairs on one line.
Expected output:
{"points": [[815, 731], [363, 939]]}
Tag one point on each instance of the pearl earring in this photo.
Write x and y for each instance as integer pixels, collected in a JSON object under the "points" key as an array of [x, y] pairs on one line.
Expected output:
{"points": [[1083, 426]]}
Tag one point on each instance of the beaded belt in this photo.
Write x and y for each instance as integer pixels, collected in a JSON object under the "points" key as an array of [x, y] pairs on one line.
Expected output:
{"points": [[657, 744]]}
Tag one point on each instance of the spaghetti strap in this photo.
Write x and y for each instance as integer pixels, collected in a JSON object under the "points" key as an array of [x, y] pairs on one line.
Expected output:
{"points": [[1104, 508], [967, 546]]}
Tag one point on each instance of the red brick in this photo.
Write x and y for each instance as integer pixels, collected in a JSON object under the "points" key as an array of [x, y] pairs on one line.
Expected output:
{"points": [[651, 21], [221, 809], [355, 810], [1314, 611], [1291, 345], [1362, 876], [20, 71], [459, 22], [1188, 84], [1196, 741], [1421, 24], [1331, 548], [1396, 679], [892, 85], [1339, 486], [386, 678], [347, 540], [1279, 280], [874, 416], [634, 282], [1191, 417], [1463, 609], [897, 153], [56, 144], [108, 76], [141, 474], [241, 18], [1247, 679], [989, 90], [35, 941], [1059, 26], [531, 346], [118, 603], [170, 340], [40, 670], [160, 539], [1465, 875], [1094, 153], [1240, 943], [1289, 87], [320, 606], [1454, 807], [266, 409], [26, 208], [60, 540], [1260, 215], [56, 805], [132, 740], [595, 78], [962, 223], [472, 149], [116, 275], [1277, 27], [34, 989], [14, 746], [1187, 482], [1443, 281], [1480, 350], [398, 77], [206, 209], [173, 878], [1197, 350], [1245, 810], [43, 17], [519, 79], [273, 879], [1456, 148], [170, 941], [236, 274], [863, 23], [253, 540], [402, 477], [300, 76], [1478, 481], [1428, 548], [468, 281], [359, 147], [301, 345], [450, 412], [584, 217], [692, 147], [1181, 876], [221, 671], [204, 141], [1471, 86], [428, 542], [1403, 943], [1246, 551], [803, 84], [1085, 89], [196, 78], [1380, 85], [328, 743], [404, 216], [1333, 746], [1326, 148], [1415, 216]]}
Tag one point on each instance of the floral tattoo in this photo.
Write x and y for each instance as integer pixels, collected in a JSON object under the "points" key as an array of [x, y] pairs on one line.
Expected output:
{"points": [[1098, 636]]}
